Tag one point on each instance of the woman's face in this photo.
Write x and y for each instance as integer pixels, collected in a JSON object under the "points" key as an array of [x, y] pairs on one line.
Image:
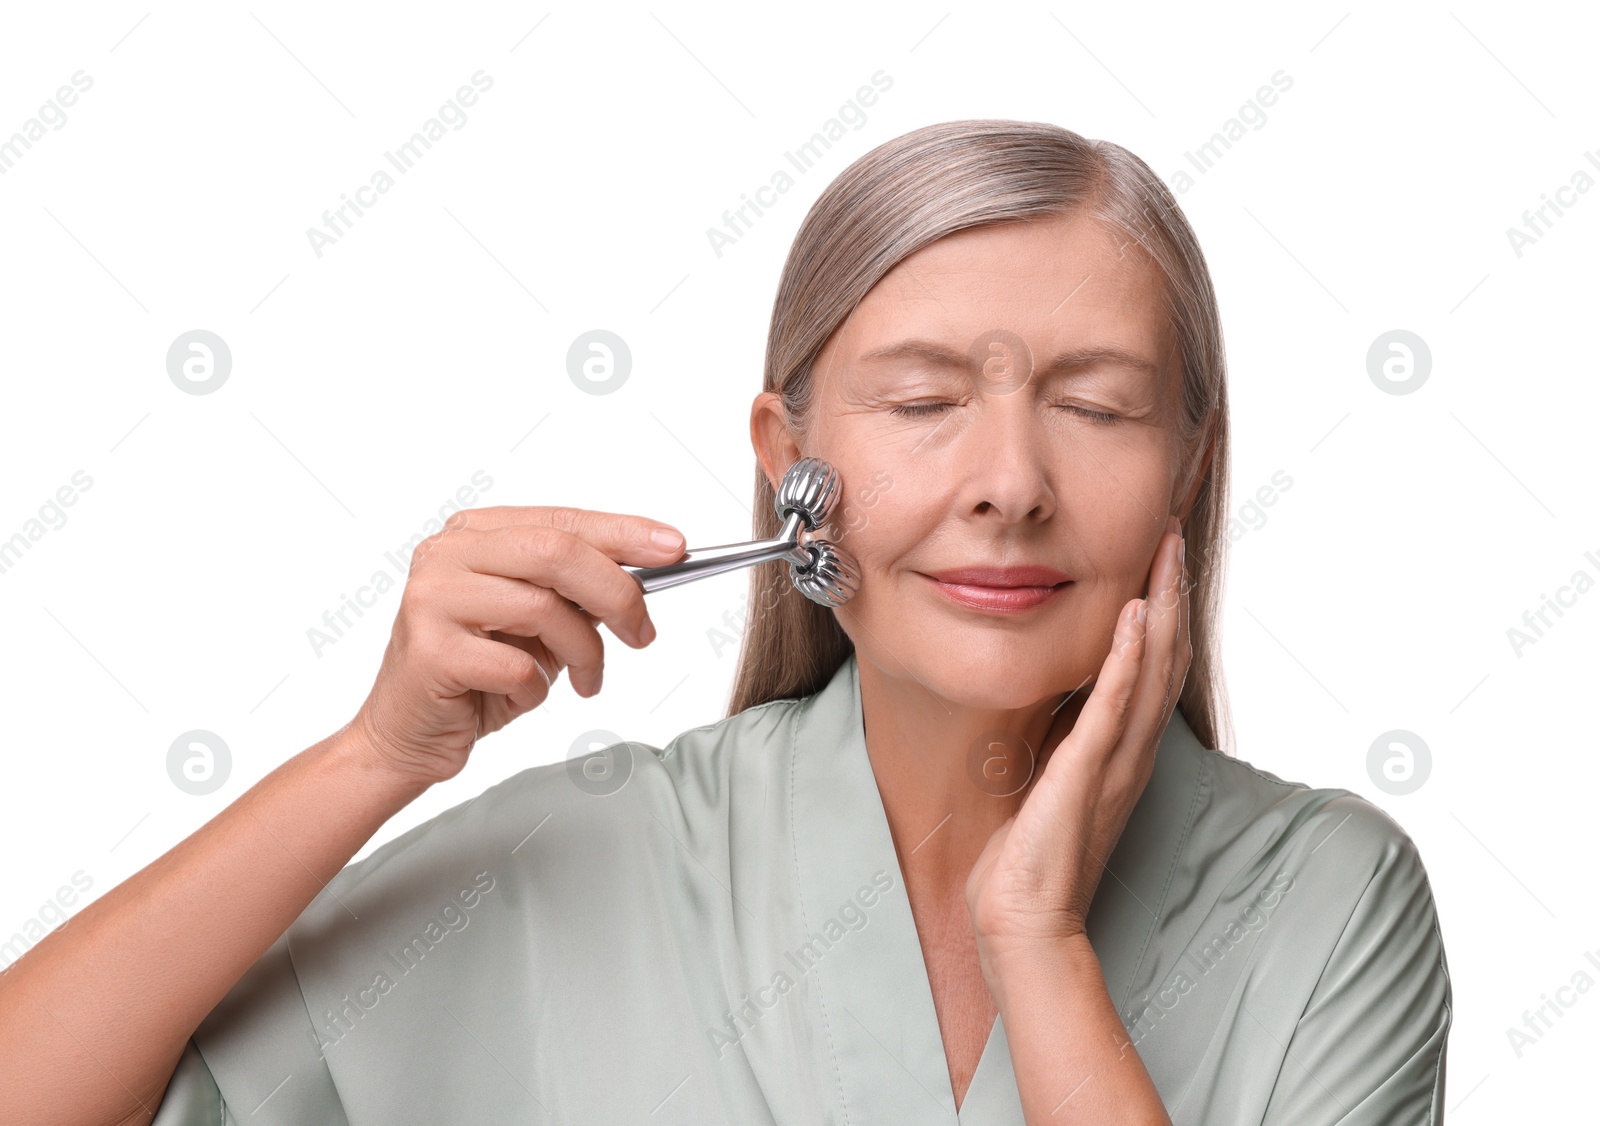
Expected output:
{"points": [[961, 442]]}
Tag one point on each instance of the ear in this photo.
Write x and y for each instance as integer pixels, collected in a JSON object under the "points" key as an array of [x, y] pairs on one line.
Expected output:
{"points": [[1187, 502], [775, 445]]}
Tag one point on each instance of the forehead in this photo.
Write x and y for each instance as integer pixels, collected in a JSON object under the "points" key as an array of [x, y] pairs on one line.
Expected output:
{"points": [[1058, 282]]}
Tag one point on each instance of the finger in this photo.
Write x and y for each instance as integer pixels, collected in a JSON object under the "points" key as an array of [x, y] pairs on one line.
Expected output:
{"points": [[563, 562], [1101, 723], [495, 603], [624, 538], [493, 666], [1185, 645], [546, 662], [1150, 707], [611, 532]]}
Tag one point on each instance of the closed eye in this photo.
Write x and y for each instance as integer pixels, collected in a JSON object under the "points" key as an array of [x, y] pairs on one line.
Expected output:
{"points": [[919, 410]]}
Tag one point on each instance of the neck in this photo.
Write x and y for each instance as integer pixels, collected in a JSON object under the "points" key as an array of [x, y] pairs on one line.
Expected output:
{"points": [[949, 775]]}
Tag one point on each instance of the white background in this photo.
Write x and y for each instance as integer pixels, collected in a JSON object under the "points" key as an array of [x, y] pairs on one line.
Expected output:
{"points": [[430, 342]]}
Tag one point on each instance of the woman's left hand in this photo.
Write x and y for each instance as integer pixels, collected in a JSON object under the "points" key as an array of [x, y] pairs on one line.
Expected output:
{"points": [[1036, 877]]}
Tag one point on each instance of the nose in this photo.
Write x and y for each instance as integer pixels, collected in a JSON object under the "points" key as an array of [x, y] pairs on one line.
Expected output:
{"points": [[1002, 464]]}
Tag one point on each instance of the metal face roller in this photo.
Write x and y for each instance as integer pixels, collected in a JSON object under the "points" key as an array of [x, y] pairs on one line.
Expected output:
{"points": [[820, 570]]}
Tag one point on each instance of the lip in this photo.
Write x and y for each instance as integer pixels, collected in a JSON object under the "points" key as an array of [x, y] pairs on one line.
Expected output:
{"points": [[1000, 576], [999, 589]]}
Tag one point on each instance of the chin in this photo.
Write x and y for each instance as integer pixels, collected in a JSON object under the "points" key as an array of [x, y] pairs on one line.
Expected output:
{"points": [[1006, 681]]}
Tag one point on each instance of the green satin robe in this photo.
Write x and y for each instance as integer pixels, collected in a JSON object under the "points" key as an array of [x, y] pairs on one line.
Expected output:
{"points": [[718, 932]]}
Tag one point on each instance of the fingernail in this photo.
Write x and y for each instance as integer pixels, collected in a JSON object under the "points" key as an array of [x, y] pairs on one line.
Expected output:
{"points": [[1141, 610], [647, 632], [666, 539]]}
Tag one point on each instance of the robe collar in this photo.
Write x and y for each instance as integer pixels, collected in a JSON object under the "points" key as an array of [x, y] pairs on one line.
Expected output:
{"points": [[882, 1031]]}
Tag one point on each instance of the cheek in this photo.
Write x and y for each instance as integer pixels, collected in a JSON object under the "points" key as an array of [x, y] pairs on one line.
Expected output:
{"points": [[864, 515], [1113, 532], [873, 532], [1125, 552]]}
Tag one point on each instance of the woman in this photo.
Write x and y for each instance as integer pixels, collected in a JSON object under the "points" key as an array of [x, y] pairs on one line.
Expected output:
{"points": [[962, 849]]}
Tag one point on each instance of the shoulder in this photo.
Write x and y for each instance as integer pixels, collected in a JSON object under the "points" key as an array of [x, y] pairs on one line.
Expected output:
{"points": [[714, 761], [1349, 938], [1297, 821], [1346, 882]]}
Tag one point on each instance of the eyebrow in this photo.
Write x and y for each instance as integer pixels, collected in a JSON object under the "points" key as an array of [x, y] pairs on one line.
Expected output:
{"points": [[1069, 360]]}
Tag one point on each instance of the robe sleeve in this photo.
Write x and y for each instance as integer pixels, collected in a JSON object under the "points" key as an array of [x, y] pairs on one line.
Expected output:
{"points": [[255, 1057], [261, 1057], [192, 1098], [1369, 1048]]}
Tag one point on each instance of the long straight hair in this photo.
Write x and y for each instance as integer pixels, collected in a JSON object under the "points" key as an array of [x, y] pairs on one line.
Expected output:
{"points": [[892, 202]]}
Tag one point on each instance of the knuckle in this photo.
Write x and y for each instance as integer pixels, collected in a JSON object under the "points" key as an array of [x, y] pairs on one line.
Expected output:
{"points": [[633, 531], [424, 550], [526, 670], [538, 603], [424, 637], [561, 517], [1121, 705], [432, 549], [411, 599], [557, 545], [424, 591]]}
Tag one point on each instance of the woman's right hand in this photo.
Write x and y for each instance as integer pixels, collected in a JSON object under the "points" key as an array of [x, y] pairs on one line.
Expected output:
{"points": [[494, 607]]}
